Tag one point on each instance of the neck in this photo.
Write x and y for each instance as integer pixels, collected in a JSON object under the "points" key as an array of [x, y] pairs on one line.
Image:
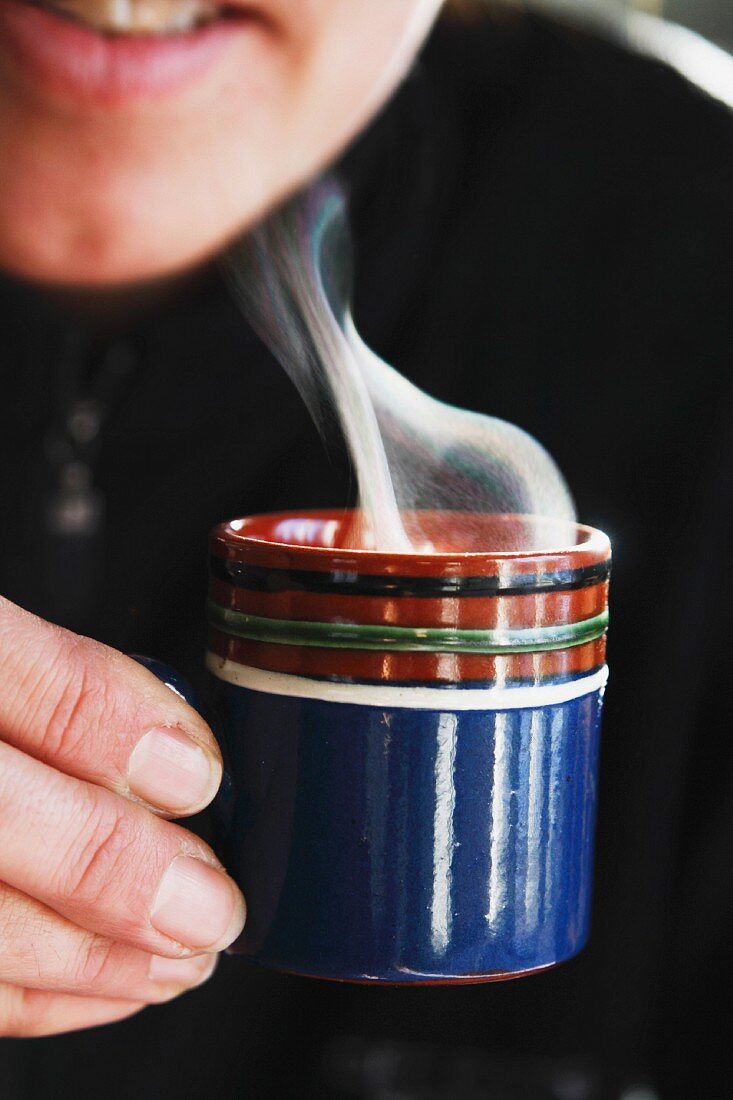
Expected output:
{"points": [[107, 311]]}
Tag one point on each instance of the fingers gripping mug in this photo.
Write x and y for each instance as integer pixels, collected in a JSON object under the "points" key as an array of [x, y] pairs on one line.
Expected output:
{"points": [[410, 743]]}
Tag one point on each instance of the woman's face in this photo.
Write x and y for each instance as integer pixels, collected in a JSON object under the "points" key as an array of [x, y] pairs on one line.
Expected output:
{"points": [[137, 136]]}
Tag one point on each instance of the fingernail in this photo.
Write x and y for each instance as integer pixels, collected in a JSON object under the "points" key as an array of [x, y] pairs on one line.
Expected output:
{"points": [[198, 906], [182, 973], [169, 770]]}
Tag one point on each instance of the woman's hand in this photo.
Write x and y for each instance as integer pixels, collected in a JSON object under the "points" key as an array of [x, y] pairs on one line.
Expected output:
{"points": [[104, 906]]}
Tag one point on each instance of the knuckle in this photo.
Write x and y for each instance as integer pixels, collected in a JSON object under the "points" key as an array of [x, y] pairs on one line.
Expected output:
{"points": [[21, 1015], [102, 858], [78, 696], [8, 917], [96, 965], [20, 921], [34, 668], [56, 682]]}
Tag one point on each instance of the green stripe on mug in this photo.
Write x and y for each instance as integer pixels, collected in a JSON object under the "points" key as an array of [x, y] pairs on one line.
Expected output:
{"points": [[401, 638]]}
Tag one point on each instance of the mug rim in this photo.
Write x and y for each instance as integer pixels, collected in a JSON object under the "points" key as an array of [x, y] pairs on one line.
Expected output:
{"points": [[236, 539]]}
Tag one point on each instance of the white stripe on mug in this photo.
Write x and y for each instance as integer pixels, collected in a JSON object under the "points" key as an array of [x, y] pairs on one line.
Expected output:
{"points": [[411, 698]]}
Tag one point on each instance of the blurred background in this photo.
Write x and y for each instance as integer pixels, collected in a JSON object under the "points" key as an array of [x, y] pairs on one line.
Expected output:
{"points": [[711, 18]]}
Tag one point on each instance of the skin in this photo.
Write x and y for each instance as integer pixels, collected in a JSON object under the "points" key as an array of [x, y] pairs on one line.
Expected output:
{"points": [[107, 196], [118, 193]]}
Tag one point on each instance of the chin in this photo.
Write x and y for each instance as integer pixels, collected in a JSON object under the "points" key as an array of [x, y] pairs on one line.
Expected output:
{"points": [[102, 259], [115, 244], [116, 209], [143, 227]]}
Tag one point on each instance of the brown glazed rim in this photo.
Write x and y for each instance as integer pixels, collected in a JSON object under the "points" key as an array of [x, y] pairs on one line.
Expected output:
{"points": [[250, 539]]}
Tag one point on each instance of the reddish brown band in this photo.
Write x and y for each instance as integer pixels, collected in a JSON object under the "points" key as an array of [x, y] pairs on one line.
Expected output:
{"points": [[406, 667], [510, 612]]}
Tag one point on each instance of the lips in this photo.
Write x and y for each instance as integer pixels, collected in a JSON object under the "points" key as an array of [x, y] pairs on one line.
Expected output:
{"points": [[117, 51]]}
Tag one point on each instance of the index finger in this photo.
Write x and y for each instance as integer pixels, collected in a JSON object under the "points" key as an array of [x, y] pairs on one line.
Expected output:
{"points": [[93, 713]]}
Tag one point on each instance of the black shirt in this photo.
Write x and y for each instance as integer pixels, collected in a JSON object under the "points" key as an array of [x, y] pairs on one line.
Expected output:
{"points": [[543, 232]]}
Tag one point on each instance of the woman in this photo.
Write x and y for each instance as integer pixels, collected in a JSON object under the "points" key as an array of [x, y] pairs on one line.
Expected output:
{"points": [[541, 225]]}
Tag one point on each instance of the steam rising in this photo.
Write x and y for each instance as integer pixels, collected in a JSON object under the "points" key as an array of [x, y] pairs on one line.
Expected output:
{"points": [[411, 453]]}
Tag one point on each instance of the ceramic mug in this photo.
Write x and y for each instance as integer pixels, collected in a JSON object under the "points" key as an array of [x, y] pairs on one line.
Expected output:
{"points": [[410, 743]]}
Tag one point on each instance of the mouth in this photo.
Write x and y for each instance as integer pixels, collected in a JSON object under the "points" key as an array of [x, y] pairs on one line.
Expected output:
{"points": [[140, 18], [116, 51]]}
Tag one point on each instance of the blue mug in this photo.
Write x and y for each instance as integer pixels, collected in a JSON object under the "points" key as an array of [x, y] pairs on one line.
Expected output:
{"points": [[410, 743]]}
